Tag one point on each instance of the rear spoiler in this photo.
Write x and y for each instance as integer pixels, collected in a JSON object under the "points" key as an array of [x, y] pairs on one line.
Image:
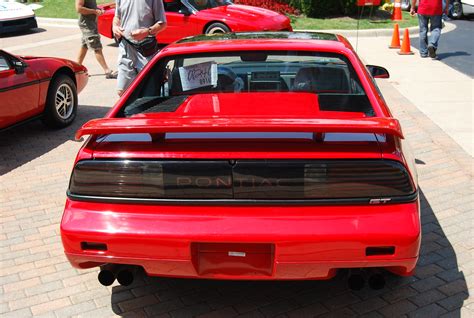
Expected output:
{"points": [[108, 126]]}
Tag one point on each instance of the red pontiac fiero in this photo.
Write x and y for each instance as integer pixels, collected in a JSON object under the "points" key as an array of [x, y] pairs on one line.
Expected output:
{"points": [[256, 156], [194, 17], [39, 87]]}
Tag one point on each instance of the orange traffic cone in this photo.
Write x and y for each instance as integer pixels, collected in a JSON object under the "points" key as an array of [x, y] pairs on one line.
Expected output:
{"points": [[397, 11], [406, 50], [395, 38]]}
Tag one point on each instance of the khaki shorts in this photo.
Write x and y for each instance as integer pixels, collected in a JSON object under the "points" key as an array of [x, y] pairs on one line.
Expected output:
{"points": [[91, 39]]}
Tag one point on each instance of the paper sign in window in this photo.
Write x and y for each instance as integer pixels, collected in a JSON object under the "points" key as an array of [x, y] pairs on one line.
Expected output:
{"points": [[198, 75]]}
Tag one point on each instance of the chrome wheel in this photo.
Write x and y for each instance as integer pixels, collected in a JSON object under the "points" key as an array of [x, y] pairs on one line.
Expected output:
{"points": [[457, 10], [216, 30], [64, 101]]}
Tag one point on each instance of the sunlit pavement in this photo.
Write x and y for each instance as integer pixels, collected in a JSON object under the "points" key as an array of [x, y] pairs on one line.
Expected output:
{"points": [[36, 279]]}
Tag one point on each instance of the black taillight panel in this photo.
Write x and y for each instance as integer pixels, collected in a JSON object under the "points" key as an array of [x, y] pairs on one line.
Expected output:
{"points": [[241, 179], [152, 179]]}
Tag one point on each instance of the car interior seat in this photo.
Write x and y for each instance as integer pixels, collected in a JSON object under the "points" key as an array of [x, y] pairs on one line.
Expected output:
{"points": [[322, 79], [306, 79]]}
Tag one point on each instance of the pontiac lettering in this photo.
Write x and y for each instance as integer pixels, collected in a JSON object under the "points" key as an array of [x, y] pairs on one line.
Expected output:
{"points": [[227, 182]]}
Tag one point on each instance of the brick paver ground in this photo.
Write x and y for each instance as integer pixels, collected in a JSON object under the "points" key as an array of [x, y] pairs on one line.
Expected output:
{"points": [[36, 279]]}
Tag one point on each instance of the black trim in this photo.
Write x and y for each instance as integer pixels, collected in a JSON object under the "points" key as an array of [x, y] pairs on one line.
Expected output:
{"points": [[35, 82], [193, 202]]}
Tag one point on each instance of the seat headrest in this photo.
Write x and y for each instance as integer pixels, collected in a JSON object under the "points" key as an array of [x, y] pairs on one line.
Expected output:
{"points": [[306, 79], [176, 87], [323, 78]]}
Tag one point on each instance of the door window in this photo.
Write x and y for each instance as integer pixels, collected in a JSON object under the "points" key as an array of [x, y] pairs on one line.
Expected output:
{"points": [[4, 64]]}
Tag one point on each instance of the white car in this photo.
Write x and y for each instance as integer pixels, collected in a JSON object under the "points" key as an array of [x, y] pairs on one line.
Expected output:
{"points": [[461, 8], [16, 16], [457, 8]]}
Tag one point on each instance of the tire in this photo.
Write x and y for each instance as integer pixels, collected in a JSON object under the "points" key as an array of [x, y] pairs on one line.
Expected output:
{"points": [[61, 102], [216, 28], [457, 10]]}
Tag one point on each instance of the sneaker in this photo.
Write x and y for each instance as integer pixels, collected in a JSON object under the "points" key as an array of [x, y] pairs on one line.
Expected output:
{"points": [[432, 51], [111, 75], [423, 56]]}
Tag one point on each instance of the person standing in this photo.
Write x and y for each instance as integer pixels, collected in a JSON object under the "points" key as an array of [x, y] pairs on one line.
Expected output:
{"points": [[134, 21], [429, 12], [88, 13]]}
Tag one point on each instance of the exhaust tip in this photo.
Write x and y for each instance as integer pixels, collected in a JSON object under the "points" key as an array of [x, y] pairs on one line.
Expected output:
{"points": [[125, 277], [106, 277], [377, 281], [356, 282]]}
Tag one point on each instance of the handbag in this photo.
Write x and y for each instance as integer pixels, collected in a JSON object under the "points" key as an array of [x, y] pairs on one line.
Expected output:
{"points": [[146, 47]]}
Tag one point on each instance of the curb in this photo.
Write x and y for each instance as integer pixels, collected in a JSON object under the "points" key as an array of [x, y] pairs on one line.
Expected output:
{"points": [[364, 33], [57, 21], [347, 33]]}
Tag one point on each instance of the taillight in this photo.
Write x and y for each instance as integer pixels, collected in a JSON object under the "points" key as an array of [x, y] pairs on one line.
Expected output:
{"points": [[241, 179], [152, 179], [318, 179]]}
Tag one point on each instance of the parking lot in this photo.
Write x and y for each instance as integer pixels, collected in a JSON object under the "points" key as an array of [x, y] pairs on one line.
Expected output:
{"points": [[37, 280]]}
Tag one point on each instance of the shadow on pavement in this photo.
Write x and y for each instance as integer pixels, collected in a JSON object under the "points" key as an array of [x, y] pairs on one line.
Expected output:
{"points": [[24, 143], [451, 54], [438, 287]]}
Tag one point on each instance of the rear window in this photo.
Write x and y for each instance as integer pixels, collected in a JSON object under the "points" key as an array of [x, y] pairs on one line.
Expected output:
{"points": [[329, 76]]}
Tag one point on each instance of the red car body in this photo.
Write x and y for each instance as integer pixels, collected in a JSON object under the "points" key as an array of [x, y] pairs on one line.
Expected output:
{"points": [[25, 82], [238, 18], [269, 233]]}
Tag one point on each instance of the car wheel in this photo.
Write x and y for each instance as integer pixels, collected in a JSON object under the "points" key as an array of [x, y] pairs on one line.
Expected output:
{"points": [[216, 28], [457, 10], [61, 102]]}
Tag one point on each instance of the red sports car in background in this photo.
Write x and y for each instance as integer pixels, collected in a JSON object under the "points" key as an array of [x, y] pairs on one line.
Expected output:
{"points": [[261, 156], [32, 87], [193, 17]]}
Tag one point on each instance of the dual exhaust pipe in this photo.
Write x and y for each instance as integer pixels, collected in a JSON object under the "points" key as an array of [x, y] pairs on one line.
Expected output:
{"points": [[109, 273], [125, 276], [357, 281]]}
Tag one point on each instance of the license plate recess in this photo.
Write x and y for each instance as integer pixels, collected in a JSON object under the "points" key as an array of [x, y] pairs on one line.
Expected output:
{"points": [[233, 259]]}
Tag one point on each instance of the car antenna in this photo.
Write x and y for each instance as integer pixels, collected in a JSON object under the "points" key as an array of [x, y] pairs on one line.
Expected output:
{"points": [[361, 4], [360, 12]]}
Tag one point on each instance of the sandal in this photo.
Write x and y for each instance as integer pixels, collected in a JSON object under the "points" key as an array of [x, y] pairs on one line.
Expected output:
{"points": [[111, 75]]}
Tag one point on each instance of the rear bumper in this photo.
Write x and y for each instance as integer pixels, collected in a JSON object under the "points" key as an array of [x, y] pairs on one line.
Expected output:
{"points": [[16, 25], [467, 9], [305, 242]]}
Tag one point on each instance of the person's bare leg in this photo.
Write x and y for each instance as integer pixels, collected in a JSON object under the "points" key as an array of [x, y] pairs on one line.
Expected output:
{"points": [[82, 54], [101, 59]]}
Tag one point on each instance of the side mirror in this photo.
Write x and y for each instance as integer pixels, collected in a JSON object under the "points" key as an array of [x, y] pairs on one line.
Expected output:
{"points": [[19, 66], [378, 71], [185, 11]]}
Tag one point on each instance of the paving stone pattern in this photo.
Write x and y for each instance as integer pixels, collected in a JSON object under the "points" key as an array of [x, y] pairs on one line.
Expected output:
{"points": [[36, 279]]}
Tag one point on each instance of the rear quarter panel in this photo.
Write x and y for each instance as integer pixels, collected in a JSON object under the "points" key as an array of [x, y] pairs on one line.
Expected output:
{"points": [[47, 67]]}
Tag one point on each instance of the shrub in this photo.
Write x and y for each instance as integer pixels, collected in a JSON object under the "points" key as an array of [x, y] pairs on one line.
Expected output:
{"points": [[280, 6]]}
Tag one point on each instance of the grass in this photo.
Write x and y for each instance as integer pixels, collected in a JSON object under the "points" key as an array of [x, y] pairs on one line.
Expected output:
{"points": [[60, 8], [379, 20]]}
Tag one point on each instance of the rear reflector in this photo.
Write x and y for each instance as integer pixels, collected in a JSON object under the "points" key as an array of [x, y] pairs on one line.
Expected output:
{"points": [[380, 250], [93, 246], [241, 179]]}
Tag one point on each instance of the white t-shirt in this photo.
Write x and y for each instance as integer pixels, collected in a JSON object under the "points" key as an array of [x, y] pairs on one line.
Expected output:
{"points": [[137, 14]]}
